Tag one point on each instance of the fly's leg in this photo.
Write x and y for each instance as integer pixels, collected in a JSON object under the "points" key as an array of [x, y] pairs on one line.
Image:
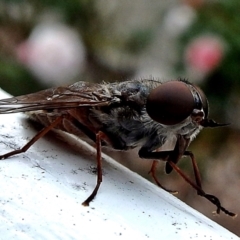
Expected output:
{"points": [[44, 131], [167, 156], [33, 140], [153, 174], [195, 168], [99, 137], [200, 191]]}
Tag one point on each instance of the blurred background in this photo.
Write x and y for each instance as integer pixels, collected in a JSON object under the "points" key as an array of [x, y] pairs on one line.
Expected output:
{"points": [[55, 42]]}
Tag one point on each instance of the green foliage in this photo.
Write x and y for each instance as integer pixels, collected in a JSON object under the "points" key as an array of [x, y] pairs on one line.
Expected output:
{"points": [[16, 80], [220, 18]]}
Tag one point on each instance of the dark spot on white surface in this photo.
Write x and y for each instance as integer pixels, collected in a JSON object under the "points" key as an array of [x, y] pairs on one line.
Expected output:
{"points": [[74, 171]]}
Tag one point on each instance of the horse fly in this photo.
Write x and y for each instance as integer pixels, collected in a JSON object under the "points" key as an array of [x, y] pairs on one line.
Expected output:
{"points": [[138, 113]]}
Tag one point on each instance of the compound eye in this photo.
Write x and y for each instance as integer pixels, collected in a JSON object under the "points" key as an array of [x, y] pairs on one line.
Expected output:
{"points": [[204, 100], [170, 103]]}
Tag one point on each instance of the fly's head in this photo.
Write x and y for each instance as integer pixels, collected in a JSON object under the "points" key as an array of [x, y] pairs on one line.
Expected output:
{"points": [[179, 103]]}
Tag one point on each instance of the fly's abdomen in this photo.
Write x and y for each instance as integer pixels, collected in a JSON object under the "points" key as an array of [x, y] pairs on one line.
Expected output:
{"points": [[46, 119], [69, 123]]}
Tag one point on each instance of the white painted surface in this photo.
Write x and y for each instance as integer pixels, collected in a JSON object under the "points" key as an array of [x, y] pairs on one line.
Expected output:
{"points": [[42, 191]]}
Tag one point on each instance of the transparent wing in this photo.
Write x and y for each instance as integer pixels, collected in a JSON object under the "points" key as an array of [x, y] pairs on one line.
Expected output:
{"points": [[75, 95]]}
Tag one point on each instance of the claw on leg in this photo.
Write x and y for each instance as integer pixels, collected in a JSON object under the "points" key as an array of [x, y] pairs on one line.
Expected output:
{"points": [[200, 191]]}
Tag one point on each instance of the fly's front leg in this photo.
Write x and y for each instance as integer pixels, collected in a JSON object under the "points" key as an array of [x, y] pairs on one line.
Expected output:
{"points": [[33, 140], [172, 157], [201, 192], [199, 189], [198, 185], [195, 168]]}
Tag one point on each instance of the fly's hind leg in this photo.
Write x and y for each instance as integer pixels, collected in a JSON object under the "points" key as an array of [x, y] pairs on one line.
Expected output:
{"points": [[33, 140]]}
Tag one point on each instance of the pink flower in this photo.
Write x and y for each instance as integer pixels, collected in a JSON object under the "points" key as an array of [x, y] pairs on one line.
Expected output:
{"points": [[204, 54], [54, 53]]}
